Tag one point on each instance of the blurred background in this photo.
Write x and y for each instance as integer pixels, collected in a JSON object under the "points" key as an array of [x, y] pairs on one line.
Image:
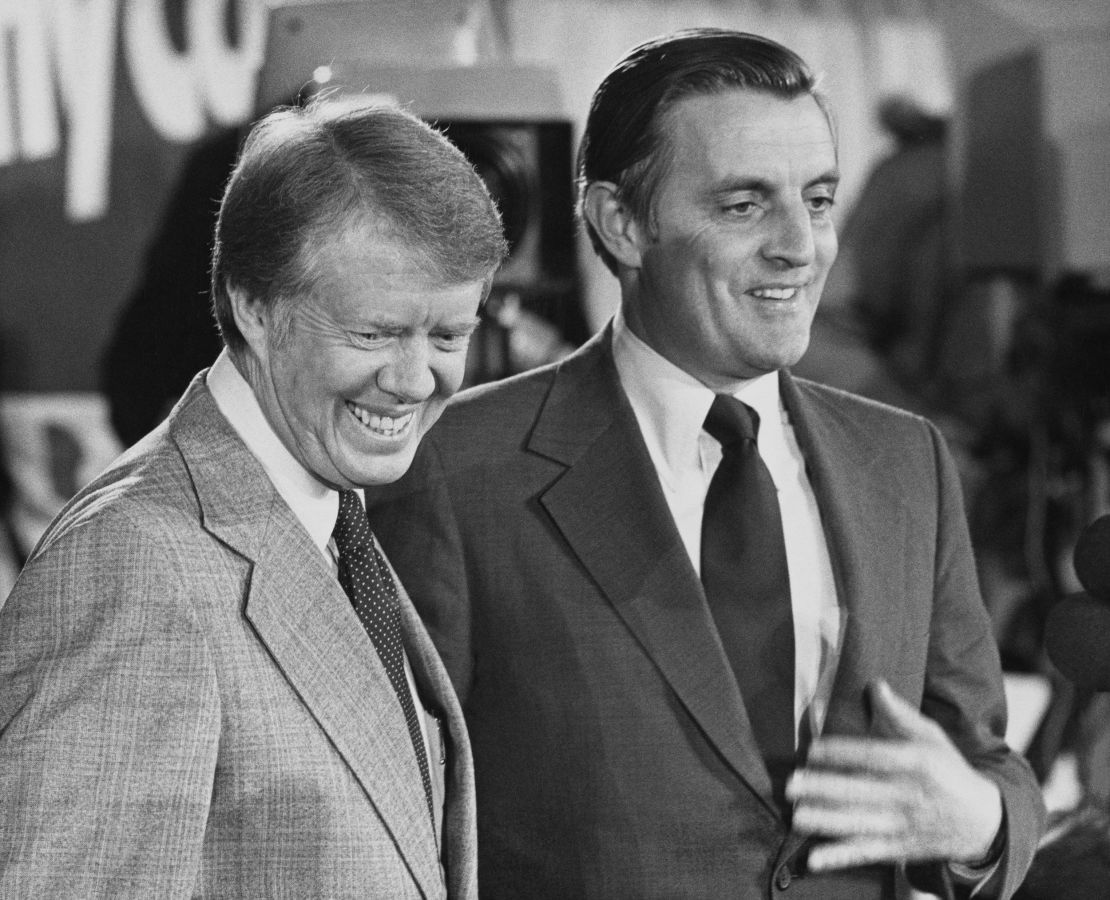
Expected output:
{"points": [[973, 283]]}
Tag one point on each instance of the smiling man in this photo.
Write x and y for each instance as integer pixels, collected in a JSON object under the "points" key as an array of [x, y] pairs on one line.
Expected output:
{"points": [[715, 629], [211, 684]]}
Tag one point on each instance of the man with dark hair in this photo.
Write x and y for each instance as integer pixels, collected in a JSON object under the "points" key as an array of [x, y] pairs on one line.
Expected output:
{"points": [[715, 630], [211, 683]]}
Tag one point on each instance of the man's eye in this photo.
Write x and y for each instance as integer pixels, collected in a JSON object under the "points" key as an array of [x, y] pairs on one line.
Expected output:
{"points": [[742, 207], [821, 204], [453, 340], [370, 338]]}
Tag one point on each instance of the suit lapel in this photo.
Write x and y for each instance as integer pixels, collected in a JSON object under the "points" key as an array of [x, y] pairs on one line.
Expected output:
{"points": [[309, 627], [865, 521], [610, 509]]}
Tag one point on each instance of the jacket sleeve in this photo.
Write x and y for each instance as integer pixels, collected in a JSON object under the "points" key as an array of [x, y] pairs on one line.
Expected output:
{"points": [[963, 686], [109, 721]]}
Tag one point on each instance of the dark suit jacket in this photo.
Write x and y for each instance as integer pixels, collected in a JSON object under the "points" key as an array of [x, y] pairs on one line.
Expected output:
{"points": [[613, 753], [189, 706]]}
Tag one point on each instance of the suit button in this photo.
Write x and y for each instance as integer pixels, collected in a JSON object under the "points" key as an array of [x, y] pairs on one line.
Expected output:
{"points": [[783, 877]]}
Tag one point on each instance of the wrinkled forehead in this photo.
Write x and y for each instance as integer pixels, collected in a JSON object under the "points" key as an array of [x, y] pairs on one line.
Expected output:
{"points": [[748, 113], [747, 136], [365, 273]]}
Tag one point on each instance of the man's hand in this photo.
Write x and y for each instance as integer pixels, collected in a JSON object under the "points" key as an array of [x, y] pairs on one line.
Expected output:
{"points": [[903, 794]]}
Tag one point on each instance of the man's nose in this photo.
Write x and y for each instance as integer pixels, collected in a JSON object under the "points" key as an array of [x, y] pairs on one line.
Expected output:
{"points": [[790, 236], [408, 374]]}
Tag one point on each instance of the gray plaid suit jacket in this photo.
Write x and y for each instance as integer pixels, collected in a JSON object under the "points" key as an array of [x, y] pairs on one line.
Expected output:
{"points": [[189, 706]]}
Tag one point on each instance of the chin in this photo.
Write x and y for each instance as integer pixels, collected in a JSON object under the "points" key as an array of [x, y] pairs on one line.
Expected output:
{"points": [[386, 471], [789, 355]]}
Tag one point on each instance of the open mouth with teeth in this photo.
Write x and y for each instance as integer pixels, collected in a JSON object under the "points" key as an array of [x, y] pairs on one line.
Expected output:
{"points": [[383, 426], [775, 293]]}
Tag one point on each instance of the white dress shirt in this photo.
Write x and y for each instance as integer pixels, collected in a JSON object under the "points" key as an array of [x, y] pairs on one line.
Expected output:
{"points": [[314, 504], [670, 407]]}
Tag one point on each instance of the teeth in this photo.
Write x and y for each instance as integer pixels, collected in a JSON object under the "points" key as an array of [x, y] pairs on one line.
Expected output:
{"points": [[776, 293], [384, 425]]}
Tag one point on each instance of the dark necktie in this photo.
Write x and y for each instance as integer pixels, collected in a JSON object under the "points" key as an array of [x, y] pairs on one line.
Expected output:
{"points": [[743, 569], [366, 578]]}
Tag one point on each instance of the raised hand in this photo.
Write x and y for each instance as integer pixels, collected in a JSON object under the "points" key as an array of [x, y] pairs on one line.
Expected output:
{"points": [[904, 793]]}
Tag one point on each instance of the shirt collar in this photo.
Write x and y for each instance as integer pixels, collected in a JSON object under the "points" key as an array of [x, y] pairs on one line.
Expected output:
{"points": [[671, 405], [313, 503]]}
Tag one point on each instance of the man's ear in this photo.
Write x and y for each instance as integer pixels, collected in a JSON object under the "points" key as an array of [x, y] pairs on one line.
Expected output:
{"points": [[251, 317], [614, 223]]}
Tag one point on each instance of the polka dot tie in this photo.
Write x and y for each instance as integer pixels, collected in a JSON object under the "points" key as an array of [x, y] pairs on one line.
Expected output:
{"points": [[747, 584], [366, 578]]}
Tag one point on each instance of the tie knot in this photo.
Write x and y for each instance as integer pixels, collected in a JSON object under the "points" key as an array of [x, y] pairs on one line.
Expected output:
{"points": [[731, 421], [352, 528]]}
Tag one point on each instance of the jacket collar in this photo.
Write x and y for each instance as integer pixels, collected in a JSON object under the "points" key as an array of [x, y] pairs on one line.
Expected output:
{"points": [[609, 510]]}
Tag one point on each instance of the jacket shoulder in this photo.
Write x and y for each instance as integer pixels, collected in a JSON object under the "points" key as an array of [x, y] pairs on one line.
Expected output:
{"points": [[147, 489], [865, 413], [493, 418], [518, 394]]}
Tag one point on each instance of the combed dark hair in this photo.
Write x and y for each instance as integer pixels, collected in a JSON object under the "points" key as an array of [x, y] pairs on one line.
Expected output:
{"points": [[623, 140], [306, 174]]}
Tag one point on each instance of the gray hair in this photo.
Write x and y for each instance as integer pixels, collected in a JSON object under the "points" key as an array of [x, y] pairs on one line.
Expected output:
{"points": [[305, 175]]}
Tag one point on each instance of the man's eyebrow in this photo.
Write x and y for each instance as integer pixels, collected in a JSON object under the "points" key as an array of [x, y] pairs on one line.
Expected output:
{"points": [[743, 183], [372, 323], [462, 324], [763, 186], [387, 323], [831, 177]]}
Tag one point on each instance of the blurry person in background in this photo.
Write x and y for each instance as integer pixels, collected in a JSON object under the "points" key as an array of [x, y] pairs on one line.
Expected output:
{"points": [[211, 683], [165, 333], [715, 629], [895, 243], [882, 329]]}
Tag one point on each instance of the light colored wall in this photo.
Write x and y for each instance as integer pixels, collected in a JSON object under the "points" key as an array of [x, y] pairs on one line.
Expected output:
{"points": [[1067, 44]]}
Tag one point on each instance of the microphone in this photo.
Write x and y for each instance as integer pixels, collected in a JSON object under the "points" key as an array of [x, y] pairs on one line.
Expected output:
{"points": [[1092, 558], [1077, 638], [1077, 633]]}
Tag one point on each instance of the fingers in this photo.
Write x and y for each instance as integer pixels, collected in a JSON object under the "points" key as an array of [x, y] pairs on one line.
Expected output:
{"points": [[855, 822], [862, 756], [823, 789], [854, 852], [902, 792], [835, 805], [901, 734], [893, 717]]}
